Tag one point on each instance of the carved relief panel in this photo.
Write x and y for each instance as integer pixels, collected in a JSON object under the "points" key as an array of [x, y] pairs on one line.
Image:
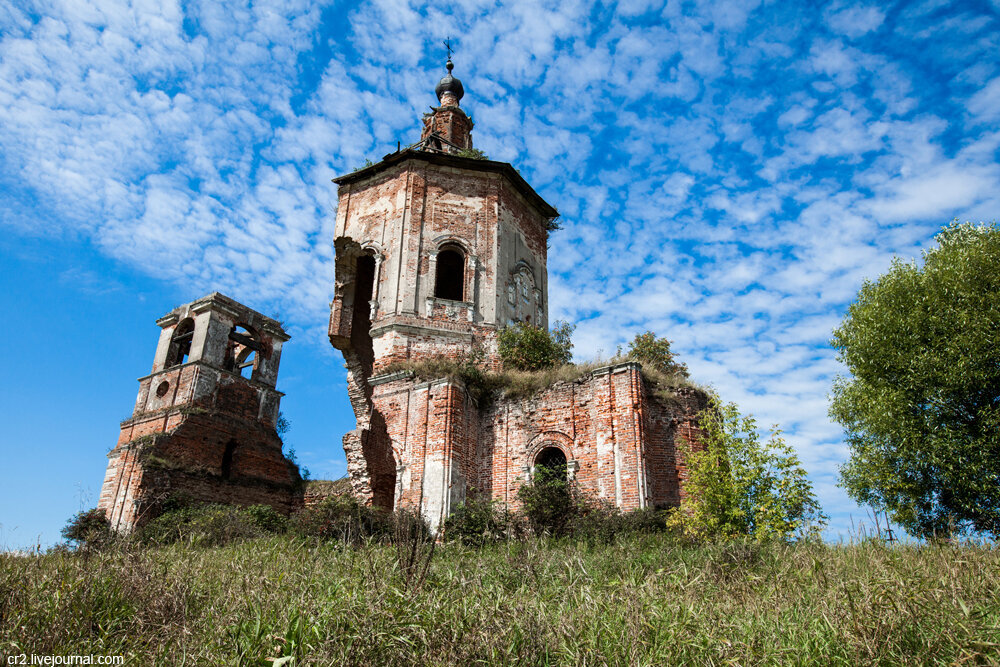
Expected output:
{"points": [[524, 299]]}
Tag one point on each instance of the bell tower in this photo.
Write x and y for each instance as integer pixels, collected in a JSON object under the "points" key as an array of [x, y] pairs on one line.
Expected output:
{"points": [[203, 426], [436, 249]]}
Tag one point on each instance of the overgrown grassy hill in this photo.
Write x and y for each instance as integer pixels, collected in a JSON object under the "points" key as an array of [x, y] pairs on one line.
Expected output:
{"points": [[644, 600]]}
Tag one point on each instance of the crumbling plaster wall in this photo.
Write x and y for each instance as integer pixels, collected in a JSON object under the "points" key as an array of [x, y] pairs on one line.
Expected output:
{"points": [[404, 216]]}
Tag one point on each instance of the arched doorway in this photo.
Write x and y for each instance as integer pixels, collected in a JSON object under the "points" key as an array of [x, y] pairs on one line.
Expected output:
{"points": [[550, 463]]}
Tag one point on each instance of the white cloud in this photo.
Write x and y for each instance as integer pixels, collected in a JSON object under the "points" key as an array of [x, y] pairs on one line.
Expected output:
{"points": [[728, 173], [939, 193], [854, 22], [985, 104]]}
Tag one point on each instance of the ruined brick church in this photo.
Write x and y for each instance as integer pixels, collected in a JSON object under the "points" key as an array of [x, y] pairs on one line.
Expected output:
{"points": [[437, 249]]}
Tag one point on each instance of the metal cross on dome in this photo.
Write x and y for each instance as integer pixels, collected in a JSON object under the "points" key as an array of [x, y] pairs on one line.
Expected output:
{"points": [[447, 45]]}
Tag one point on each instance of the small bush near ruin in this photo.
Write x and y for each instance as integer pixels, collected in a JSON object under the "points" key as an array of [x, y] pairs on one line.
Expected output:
{"points": [[530, 348], [342, 518], [480, 521], [88, 529], [212, 525]]}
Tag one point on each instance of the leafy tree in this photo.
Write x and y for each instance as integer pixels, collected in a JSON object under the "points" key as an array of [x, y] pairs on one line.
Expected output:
{"points": [[654, 354], [530, 348], [738, 485], [922, 404]]}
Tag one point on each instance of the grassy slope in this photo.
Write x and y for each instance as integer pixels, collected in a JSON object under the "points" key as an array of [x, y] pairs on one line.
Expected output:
{"points": [[645, 600]]}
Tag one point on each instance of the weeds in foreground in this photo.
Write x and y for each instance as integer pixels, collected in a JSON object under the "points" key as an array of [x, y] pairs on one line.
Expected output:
{"points": [[640, 599], [415, 546]]}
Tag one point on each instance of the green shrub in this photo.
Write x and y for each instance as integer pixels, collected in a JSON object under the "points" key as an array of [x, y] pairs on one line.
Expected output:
{"points": [[88, 528], [480, 521], [474, 153], [212, 525], [654, 354], [548, 501], [342, 518], [595, 521], [648, 521], [601, 522], [267, 518], [530, 348]]}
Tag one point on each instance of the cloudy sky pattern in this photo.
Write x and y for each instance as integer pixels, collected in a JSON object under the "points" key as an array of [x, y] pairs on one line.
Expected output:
{"points": [[728, 173]]}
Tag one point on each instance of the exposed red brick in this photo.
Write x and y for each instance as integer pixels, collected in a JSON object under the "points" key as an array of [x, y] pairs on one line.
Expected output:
{"points": [[428, 444], [188, 414]]}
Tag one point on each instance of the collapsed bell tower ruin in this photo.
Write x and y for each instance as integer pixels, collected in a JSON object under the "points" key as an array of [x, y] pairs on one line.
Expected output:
{"points": [[203, 426], [437, 249]]}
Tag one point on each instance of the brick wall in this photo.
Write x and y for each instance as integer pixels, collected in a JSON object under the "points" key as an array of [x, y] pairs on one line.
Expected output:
{"points": [[200, 429], [618, 436]]}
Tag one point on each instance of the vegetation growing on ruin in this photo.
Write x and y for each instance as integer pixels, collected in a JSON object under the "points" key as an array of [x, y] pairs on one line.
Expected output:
{"points": [[524, 374], [325, 487], [640, 599], [486, 385], [525, 347], [473, 153]]}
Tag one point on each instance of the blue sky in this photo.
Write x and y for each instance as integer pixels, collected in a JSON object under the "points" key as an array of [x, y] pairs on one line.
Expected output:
{"points": [[728, 173]]}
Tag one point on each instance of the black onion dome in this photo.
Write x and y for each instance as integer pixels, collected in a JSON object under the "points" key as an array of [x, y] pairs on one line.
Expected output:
{"points": [[449, 84]]}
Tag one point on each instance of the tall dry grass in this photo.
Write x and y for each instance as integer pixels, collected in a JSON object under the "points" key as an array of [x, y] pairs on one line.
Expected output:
{"points": [[642, 600]]}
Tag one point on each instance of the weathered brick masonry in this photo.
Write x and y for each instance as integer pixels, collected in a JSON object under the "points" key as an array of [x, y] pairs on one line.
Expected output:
{"points": [[436, 251], [617, 437], [200, 429]]}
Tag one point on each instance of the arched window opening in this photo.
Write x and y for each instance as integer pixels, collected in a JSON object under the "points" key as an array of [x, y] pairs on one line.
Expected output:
{"points": [[449, 283], [227, 459], [180, 343], [243, 351], [361, 317], [550, 463], [365, 283]]}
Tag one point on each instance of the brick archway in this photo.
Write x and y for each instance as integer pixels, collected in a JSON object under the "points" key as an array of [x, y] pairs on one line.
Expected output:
{"points": [[554, 440], [550, 439]]}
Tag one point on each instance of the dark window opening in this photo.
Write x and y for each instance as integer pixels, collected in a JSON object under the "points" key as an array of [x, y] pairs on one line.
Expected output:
{"points": [[553, 460], [180, 343], [361, 318], [450, 278], [227, 459], [365, 282]]}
